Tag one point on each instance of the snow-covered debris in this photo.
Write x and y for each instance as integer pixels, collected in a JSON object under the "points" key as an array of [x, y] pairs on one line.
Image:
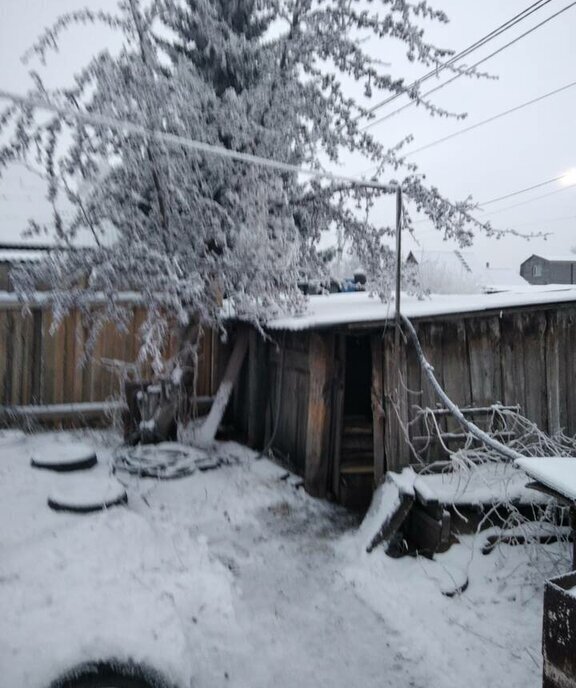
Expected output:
{"points": [[482, 484], [389, 507], [556, 472]]}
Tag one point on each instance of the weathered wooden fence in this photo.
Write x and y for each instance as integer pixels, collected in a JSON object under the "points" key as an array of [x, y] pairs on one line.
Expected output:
{"points": [[524, 358], [38, 367]]}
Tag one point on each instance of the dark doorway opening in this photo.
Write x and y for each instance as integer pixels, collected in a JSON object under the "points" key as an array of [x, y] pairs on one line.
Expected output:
{"points": [[358, 378], [357, 448]]}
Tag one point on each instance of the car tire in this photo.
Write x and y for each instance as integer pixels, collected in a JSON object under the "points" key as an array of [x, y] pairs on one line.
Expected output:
{"points": [[112, 674]]}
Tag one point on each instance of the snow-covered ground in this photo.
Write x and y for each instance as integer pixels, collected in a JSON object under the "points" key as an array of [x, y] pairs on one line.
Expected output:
{"points": [[235, 577]]}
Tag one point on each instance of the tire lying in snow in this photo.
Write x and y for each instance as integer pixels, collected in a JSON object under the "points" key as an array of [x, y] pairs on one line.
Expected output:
{"points": [[91, 493], [164, 461], [64, 457], [112, 674]]}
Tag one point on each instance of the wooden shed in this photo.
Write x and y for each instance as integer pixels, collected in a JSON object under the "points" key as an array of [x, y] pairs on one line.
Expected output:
{"points": [[331, 395]]}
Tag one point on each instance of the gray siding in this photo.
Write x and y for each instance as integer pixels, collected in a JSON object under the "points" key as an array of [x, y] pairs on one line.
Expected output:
{"points": [[538, 270]]}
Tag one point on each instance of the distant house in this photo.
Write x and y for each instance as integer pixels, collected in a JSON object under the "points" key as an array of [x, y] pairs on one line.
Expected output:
{"points": [[549, 269], [449, 272]]}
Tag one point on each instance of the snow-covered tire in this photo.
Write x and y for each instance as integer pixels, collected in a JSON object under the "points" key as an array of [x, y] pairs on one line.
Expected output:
{"points": [[88, 495], [65, 457], [112, 674], [164, 461]]}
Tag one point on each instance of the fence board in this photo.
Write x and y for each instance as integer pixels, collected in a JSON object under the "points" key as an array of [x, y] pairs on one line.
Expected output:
{"points": [[534, 330], [39, 367]]}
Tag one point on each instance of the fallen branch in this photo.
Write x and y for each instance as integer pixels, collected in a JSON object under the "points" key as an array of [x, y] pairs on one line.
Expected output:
{"points": [[473, 429]]}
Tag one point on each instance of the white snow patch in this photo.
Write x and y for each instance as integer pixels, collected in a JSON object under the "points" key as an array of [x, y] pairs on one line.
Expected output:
{"points": [[487, 483], [557, 472], [337, 309]]}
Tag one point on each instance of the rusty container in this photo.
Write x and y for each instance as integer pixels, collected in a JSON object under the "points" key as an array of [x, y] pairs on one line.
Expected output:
{"points": [[559, 632]]}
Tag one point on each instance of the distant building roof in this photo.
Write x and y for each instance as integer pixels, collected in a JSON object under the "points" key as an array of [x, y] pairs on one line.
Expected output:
{"points": [[470, 267], [566, 258]]}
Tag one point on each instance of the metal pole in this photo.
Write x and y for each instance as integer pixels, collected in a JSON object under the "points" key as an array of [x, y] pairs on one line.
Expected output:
{"points": [[398, 261]]}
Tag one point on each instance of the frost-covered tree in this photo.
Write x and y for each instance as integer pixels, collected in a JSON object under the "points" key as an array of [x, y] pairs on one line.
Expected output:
{"points": [[185, 229]]}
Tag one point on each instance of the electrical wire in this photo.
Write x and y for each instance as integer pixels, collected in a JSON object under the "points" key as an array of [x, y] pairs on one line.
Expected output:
{"points": [[521, 191], [546, 221], [476, 64], [515, 193], [463, 53], [480, 124], [531, 200], [490, 119], [175, 140]]}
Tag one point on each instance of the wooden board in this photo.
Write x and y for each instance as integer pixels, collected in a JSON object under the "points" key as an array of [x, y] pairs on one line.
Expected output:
{"points": [[378, 407], [534, 333], [456, 369], [483, 336], [316, 469], [392, 430], [552, 359], [512, 349], [568, 371]]}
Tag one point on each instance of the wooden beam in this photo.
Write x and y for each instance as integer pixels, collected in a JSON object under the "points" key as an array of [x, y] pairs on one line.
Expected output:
{"points": [[316, 469], [552, 373], [378, 407], [257, 389], [207, 432]]}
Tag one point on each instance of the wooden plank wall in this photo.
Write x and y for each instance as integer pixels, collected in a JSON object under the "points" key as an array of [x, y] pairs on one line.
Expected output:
{"points": [[525, 358], [288, 380], [37, 367]]}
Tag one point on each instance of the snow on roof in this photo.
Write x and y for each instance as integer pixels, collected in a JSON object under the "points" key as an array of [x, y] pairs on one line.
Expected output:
{"points": [[556, 472], [461, 261], [556, 258], [467, 264], [361, 307], [9, 255], [502, 277]]}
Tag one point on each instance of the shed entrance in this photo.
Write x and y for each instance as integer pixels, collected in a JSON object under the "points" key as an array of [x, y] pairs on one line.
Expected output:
{"points": [[357, 449]]}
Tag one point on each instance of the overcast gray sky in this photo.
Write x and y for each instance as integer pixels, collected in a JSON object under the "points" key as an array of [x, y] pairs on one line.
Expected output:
{"points": [[521, 150]]}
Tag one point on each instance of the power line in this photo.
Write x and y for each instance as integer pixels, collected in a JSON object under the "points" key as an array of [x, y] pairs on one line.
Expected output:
{"points": [[490, 119], [476, 64], [521, 191], [546, 220], [531, 200], [463, 53], [515, 193], [181, 141]]}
